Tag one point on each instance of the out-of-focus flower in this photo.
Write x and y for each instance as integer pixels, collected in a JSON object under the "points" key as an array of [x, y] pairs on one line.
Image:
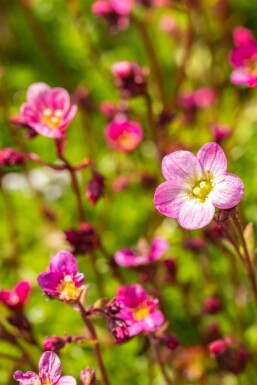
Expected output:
{"points": [[130, 78], [220, 132], [10, 157], [242, 36], [195, 185], [153, 3], [83, 240], [62, 280], [244, 58], [16, 299], [124, 135], [170, 341], [196, 244], [49, 373], [48, 111], [199, 99], [211, 305], [213, 232], [119, 329], [144, 254], [232, 355], [82, 97], [111, 110], [138, 311], [115, 12], [87, 376], [95, 188], [54, 343], [169, 25], [171, 266]]}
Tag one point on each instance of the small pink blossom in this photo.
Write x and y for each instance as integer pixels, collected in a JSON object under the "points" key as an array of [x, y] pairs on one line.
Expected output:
{"points": [[115, 12], [138, 311], [242, 36], [48, 111], [49, 373], [144, 255], [130, 78], [15, 299], [124, 135], [244, 58], [11, 157], [195, 185], [199, 99], [62, 280]]}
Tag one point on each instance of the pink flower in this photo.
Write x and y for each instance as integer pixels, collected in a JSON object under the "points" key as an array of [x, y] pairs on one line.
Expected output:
{"points": [[195, 185], [15, 299], [144, 255], [10, 157], [220, 132], [48, 111], [124, 135], [62, 280], [137, 310], [201, 98], [242, 36], [115, 12], [49, 368], [244, 58], [130, 78]]}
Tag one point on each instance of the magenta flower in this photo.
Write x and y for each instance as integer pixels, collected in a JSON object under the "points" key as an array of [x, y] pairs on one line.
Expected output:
{"points": [[195, 185], [137, 310], [49, 373], [62, 280], [125, 135], [48, 111], [11, 157], [15, 299], [244, 58], [144, 255], [115, 12]]}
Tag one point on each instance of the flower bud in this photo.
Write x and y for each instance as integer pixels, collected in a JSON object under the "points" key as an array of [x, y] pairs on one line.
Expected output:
{"points": [[130, 78], [83, 240], [119, 330], [95, 188], [10, 157], [211, 305], [54, 343], [87, 376]]}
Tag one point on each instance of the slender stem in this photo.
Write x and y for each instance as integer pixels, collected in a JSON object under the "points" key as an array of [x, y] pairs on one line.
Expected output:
{"points": [[96, 348], [154, 61], [249, 266], [98, 278], [74, 183], [157, 356]]}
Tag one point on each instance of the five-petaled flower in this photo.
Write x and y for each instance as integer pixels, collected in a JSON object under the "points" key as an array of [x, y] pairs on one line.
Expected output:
{"points": [[49, 373], [48, 111], [195, 185], [138, 310], [144, 254], [62, 280], [15, 299]]}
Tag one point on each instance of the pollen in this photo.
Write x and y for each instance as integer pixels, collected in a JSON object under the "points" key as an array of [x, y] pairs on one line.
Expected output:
{"points": [[250, 65], [202, 189], [52, 118], [68, 290], [141, 312]]}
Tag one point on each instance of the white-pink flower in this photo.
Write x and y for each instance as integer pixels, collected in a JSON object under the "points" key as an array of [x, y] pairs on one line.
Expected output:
{"points": [[195, 185]]}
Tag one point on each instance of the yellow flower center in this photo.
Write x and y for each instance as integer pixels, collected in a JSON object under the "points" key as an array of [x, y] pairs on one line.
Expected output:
{"points": [[202, 189], [141, 312], [127, 140], [68, 290], [47, 382], [250, 65], [52, 118]]}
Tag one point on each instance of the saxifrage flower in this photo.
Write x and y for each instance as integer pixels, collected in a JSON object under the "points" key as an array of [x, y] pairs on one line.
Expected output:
{"points": [[138, 311], [49, 373], [62, 280], [124, 135], [195, 185], [16, 298], [143, 255], [48, 111]]}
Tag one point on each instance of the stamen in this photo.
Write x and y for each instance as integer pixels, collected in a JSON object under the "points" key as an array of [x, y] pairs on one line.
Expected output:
{"points": [[47, 112]]}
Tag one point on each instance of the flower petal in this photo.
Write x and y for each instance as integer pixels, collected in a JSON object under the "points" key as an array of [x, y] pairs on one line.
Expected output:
{"points": [[50, 367], [58, 99], [169, 197], [159, 246], [153, 321], [195, 214], [66, 380], [181, 166], [36, 95], [125, 257], [49, 282], [239, 76], [28, 378], [48, 131], [64, 262], [228, 191], [23, 289], [212, 159]]}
